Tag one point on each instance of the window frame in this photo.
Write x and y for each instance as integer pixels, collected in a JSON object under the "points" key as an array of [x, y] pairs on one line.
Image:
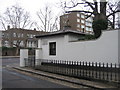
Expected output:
{"points": [[52, 48]]}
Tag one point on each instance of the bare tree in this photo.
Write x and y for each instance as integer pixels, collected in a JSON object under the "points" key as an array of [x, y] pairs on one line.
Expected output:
{"points": [[47, 20], [95, 8], [16, 17], [113, 7]]}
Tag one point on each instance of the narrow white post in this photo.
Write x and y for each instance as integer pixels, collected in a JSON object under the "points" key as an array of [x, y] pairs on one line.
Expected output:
{"points": [[23, 55], [38, 56]]}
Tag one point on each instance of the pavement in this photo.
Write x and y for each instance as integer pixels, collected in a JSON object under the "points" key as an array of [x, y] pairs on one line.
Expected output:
{"points": [[92, 84], [9, 56]]}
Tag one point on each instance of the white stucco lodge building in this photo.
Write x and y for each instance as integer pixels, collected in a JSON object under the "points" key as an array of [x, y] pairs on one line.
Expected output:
{"points": [[67, 45]]}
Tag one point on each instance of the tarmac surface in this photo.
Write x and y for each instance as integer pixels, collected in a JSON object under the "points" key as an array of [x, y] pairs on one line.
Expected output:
{"points": [[80, 82], [14, 78], [17, 77]]}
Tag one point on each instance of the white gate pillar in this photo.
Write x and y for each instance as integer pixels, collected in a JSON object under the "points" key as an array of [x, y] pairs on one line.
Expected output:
{"points": [[38, 56], [23, 54]]}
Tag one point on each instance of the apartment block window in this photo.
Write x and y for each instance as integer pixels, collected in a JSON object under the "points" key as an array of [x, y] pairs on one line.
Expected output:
{"points": [[90, 19], [82, 26], [78, 25], [82, 21], [87, 29], [52, 48], [78, 20], [90, 24], [78, 15], [82, 16]]}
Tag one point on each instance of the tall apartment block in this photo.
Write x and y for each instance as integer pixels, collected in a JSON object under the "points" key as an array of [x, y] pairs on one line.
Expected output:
{"points": [[77, 21]]}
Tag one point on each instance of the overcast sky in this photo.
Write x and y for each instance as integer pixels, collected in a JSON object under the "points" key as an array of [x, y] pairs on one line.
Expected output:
{"points": [[31, 6]]}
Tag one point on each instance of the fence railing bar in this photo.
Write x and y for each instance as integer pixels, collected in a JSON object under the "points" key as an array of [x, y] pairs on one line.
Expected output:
{"points": [[102, 71]]}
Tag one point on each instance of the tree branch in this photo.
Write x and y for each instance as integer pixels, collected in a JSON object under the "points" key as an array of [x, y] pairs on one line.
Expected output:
{"points": [[73, 5], [90, 4], [79, 11], [88, 16], [113, 13]]}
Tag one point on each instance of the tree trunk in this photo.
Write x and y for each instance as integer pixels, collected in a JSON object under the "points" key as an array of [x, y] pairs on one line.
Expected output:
{"points": [[101, 16], [103, 7], [113, 26], [17, 51]]}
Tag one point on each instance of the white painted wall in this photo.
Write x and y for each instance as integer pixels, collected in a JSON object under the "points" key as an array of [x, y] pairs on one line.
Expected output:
{"points": [[23, 55], [104, 49], [38, 56], [119, 46], [59, 44], [74, 37]]}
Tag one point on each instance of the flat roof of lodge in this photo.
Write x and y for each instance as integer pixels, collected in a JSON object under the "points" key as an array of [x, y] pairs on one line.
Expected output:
{"points": [[61, 32]]}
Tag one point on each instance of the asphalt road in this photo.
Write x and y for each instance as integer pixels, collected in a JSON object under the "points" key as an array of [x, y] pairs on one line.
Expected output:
{"points": [[10, 61], [13, 79]]}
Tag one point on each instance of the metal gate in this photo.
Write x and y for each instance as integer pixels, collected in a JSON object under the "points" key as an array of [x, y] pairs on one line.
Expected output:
{"points": [[30, 61]]}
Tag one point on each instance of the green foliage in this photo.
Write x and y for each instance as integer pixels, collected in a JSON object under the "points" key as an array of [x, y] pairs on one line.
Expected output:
{"points": [[87, 37], [8, 48], [100, 24]]}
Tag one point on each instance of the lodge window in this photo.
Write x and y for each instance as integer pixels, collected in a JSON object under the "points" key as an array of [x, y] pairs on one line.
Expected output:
{"points": [[52, 48]]}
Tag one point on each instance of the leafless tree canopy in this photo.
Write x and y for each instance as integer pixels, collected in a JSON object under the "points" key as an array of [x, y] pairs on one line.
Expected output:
{"points": [[16, 17], [98, 9], [47, 20]]}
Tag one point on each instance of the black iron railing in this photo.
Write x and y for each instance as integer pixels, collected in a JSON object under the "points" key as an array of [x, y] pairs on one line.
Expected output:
{"points": [[86, 70]]}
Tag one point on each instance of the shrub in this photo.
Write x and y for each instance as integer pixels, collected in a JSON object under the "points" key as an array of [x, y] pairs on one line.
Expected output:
{"points": [[99, 25]]}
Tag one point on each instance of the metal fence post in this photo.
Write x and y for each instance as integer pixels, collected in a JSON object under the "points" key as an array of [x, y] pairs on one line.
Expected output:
{"points": [[107, 71], [77, 68], [96, 70], [92, 69], [118, 75], [86, 69], [103, 72], [115, 72], [99, 70], [83, 68], [89, 70], [111, 71], [80, 69]]}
